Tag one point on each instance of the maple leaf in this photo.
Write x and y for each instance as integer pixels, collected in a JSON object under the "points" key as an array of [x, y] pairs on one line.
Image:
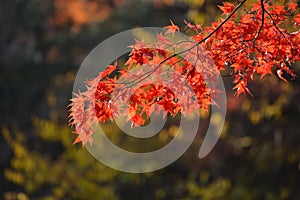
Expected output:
{"points": [[265, 69], [241, 88], [172, 28], [131, 112], [162, 40], [139, 44], [227, 8], [78, 139], [196, 28], [108, 70], [246, 19], [293, 7], [255, 7], [198, 37], [137, 120]]}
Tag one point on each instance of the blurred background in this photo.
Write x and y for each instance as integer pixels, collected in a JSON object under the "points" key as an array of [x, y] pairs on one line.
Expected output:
{"points": [[42, 45]]}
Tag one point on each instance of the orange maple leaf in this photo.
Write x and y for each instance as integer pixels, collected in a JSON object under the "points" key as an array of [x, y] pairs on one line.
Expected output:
{"points": [[108, 70], [172, 28], [227, 8], [265, 69], [241, 88]]}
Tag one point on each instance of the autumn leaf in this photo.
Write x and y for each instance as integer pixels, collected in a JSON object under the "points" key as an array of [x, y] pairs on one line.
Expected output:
{"points": [[293, 7], [172, 28], [108, 70], [227, 8], [265, 69], [241, 88]]}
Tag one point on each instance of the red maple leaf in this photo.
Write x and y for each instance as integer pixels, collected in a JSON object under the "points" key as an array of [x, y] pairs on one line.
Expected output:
{"points": [[227, 8], [172, 28]]}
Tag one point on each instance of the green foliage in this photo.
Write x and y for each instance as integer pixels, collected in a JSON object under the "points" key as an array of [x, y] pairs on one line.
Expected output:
{"points": [[71, 174]]}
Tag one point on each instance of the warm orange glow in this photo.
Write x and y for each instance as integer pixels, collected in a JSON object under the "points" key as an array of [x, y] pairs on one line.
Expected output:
{"points": [[80, 12]]}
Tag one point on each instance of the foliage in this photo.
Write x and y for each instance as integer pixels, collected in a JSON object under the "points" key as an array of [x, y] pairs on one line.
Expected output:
{"points": [[254, 42]]}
